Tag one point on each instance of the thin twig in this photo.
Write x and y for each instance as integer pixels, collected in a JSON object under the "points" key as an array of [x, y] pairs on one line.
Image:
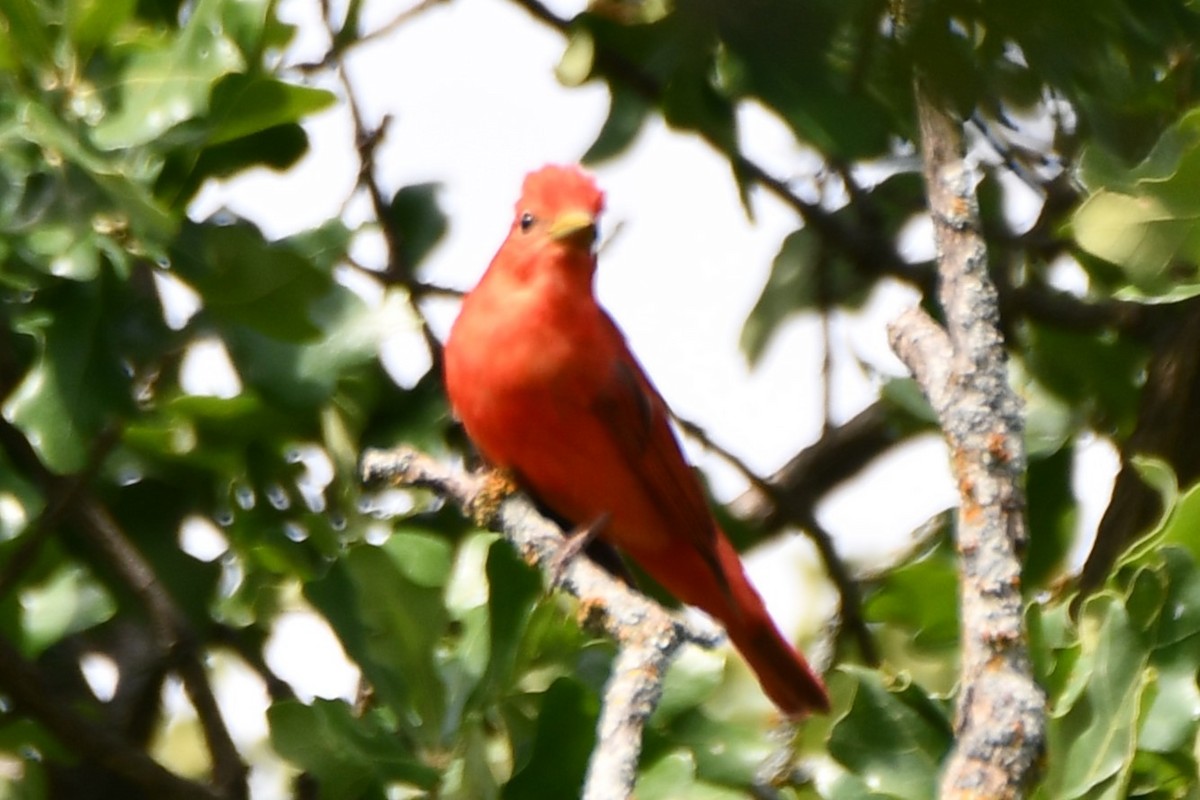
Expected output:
{"points": [[1000, 721], [367, 142], [417, 287], [344, 45], [647, 635], [60, 500], [251, 654]]}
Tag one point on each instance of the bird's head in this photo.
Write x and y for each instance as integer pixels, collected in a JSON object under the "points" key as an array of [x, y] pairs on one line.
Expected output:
{"points": [[559, 207]]}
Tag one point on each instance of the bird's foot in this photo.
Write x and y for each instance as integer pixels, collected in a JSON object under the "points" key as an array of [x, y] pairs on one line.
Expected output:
{"points": [[575, 542], [494, 489]]}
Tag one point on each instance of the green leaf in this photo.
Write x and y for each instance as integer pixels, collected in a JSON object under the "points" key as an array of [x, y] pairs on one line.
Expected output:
{"points": [[1169, 724], [417, 217], [1050, 421], [691, 679], [722, 751], [893, 740], [1157, 246], [150, 512], [76, 385], [565, 736], [469, 776], [300, 375], [1159, 476], [347, 755], [627, 115], [920, 597], [1098, 376], [243, 105], [26, 32], [791, 287], [1181, 607], [907, 397], [248, 281], [1145, 220], [70, 601], [1054, 645], [804, 277], [1094, 723], [513, 590], [391, 627], [809, 275], [169, 81], [92, 23], [123, 182], [424, 558], [674, 776], [829, 109], [1183, 522], [1052, 513]]}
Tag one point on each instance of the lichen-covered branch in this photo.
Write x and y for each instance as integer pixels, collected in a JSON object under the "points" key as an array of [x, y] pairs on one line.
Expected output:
{"points": [[647, 634], [1000, 725]]}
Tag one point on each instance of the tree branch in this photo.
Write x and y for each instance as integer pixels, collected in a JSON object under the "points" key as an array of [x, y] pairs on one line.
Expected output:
{"points": [[647, 635], [1000, 723], [343, 44], [175, 634], [841, 453]]}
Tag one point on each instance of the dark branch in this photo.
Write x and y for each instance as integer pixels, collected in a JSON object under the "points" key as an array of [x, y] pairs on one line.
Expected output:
{"points": [[79, 731], [840, 454], [172, 631], [1168, 427]]}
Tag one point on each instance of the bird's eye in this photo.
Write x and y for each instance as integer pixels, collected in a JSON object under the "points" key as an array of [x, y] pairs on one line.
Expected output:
{"points": [[526, 221]]}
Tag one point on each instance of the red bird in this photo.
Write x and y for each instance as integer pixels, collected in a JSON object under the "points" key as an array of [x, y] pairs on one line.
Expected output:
{"points": [[547, 388]]}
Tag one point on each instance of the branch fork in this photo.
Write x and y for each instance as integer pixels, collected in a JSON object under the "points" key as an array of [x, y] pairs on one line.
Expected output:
{"points": [[962, 369]]}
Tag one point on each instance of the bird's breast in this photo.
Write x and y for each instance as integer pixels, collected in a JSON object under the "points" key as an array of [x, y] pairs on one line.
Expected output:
{"points": [[514, 366]]}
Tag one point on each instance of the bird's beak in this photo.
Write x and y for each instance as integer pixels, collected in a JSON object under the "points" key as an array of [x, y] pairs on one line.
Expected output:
{"points": [[574, 226]]}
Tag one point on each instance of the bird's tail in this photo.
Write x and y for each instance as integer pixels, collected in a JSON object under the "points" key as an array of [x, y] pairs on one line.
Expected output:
{"points": [[719, 586], [785, 676]]}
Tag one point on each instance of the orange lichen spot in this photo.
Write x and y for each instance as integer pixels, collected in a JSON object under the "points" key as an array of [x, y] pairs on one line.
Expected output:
{"points": [[495, 488]]}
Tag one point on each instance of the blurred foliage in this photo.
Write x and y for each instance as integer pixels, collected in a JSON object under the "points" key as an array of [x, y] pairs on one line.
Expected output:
{"points": [[477, 684]]}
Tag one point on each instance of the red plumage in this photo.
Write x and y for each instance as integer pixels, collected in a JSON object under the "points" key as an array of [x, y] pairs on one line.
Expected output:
{"points": [[546, 387]]}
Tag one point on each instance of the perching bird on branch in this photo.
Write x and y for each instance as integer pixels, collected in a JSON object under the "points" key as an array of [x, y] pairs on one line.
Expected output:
{"points": [[547, 388]]}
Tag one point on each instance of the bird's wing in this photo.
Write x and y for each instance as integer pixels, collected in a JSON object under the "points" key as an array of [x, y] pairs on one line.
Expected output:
{"points": [[636, 416]]}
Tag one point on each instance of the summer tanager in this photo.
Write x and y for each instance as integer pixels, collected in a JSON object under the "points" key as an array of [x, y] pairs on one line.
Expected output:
{"points": [[547, 388]]}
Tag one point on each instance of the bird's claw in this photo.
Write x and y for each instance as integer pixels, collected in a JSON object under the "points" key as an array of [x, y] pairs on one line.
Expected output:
{"points": [[574, 542]]}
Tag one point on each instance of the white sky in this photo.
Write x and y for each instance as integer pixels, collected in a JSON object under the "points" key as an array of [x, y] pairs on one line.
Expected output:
{"points": [[471, 86]]}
